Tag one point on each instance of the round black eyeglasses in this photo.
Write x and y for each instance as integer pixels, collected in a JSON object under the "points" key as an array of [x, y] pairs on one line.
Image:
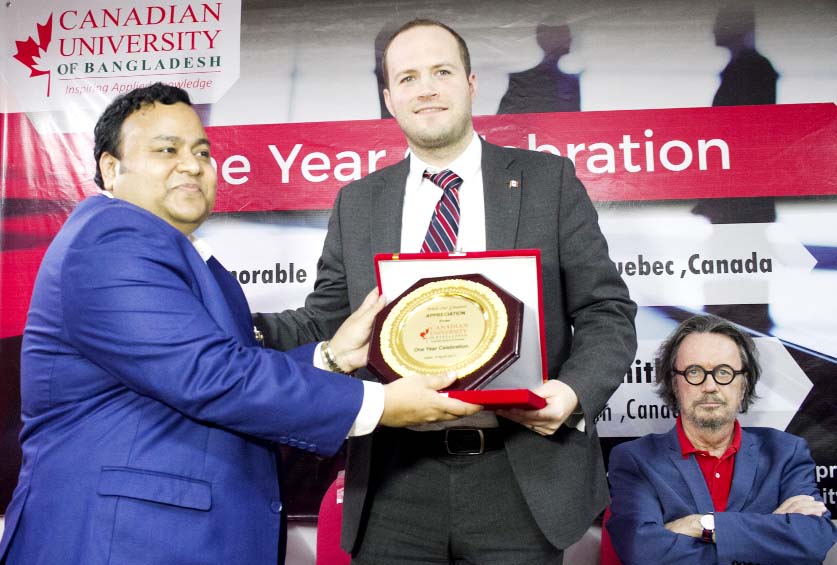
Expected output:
{"points": [[695, 374]]}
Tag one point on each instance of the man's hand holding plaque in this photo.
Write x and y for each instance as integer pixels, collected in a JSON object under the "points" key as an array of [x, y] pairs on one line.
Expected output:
{"points": [[561, 409], [350, 345], [463, 325], [416, 401]]}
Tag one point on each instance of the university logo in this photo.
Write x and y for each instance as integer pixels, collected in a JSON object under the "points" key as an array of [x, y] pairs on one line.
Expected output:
{"points": [[29, 52], [88, 51]]}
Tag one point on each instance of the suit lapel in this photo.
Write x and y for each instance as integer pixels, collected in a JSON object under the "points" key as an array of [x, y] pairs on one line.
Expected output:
{"points": [[221, 296], [233, 302], [500, 172], [746, 466], [692, 476], [387, 205]]}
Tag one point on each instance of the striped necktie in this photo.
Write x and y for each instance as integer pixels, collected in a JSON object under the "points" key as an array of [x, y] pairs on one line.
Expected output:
{"points": [[444, 225]]}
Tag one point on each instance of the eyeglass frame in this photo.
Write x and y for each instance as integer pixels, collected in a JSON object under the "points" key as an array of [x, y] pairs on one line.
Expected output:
{"points": [[708, 372]]}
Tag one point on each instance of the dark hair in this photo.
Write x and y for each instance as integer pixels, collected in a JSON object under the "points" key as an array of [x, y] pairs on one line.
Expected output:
{"points": [[706, 323], [107, 135], [736, 18], [423, 22]]}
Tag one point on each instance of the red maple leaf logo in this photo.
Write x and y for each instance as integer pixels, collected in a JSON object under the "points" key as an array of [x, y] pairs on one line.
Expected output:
{"points": [[424, 333], [29, 51]]}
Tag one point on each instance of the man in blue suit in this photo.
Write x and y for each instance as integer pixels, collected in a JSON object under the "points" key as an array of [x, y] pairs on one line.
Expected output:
{"points": [[149, 410], [710, 491]]}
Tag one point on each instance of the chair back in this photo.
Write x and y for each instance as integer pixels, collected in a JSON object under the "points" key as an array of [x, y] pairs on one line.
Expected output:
{"points": [[608, 554], [329, 522]]}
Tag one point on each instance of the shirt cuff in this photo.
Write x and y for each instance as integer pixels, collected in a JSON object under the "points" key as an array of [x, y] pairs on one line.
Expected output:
{"points": [[372, 407], [370, 411], [318, 357], [576, 421]]}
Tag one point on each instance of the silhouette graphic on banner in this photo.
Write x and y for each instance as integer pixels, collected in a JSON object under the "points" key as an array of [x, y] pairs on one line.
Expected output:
{"points": [[544, 87], [749, 78]]}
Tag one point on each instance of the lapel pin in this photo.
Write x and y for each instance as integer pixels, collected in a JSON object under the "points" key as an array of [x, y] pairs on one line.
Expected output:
{"points": [[514, 183]]}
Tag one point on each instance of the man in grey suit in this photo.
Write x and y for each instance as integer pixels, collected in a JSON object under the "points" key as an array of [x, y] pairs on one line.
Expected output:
{"points": [[521, 487]]}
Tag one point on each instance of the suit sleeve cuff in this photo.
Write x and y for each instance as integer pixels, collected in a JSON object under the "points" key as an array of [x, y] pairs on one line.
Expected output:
{"points": [[372, 407], [370, 411]]}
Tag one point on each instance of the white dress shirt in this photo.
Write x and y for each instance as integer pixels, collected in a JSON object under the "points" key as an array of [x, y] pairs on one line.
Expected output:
{"points": [[420, 199]]}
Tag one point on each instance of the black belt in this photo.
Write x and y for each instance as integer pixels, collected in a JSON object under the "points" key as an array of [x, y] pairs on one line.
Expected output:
{"points": [[454, 441]]}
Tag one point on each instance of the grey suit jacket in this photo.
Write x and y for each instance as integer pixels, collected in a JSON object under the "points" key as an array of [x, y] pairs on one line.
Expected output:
{"points": [[589, 320]]}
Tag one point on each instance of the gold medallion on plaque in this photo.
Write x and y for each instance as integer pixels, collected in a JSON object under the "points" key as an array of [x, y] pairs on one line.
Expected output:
{"points": [[458, 324]]}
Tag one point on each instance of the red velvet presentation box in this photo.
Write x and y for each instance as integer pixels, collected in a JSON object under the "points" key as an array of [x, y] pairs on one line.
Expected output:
{"points": [[517, 272]]}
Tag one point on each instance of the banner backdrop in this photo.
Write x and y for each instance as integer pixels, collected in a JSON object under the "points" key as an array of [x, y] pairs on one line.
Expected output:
{"points": [[727, 209]]}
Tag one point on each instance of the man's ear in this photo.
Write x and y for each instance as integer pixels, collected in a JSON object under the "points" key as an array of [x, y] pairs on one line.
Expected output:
{"points": [[109, 165], [388, 102]]}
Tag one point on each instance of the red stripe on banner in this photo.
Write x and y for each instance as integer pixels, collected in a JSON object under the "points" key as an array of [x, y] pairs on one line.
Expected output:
{"points": [[45, 166], [19, 269], [636, 155]]}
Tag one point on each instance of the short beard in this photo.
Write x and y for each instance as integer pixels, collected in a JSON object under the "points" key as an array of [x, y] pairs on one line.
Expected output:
{"points": [[442, 140], [712, 424], [709, 423], [445, 139]]}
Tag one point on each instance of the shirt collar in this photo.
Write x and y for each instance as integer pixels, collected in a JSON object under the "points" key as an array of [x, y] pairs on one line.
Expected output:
{"points": [[468, 165], [687, 448], [202, 247]]}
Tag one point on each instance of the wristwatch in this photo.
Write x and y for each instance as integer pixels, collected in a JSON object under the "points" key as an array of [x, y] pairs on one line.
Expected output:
{"points": [[707, 522]]}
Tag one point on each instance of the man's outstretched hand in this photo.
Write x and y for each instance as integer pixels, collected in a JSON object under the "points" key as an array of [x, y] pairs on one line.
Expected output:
{"points": [[414, 400], [350, 344]]}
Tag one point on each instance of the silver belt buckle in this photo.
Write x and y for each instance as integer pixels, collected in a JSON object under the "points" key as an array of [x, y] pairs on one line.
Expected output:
{"points": [[478, 431]]}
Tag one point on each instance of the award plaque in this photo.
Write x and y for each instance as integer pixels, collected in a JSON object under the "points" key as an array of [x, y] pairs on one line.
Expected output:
{"points": [[465, 324]]}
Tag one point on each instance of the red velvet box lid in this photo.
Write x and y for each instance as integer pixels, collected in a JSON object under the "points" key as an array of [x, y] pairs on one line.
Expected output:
{"points": [[494, 399]]}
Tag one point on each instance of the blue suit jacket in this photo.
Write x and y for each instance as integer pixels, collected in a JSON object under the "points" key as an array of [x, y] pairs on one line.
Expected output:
{"points": [[148, 409], [652, 484]]}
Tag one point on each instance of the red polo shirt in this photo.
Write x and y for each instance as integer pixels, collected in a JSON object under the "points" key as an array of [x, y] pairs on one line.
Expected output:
{"points": [[717, 471]]}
